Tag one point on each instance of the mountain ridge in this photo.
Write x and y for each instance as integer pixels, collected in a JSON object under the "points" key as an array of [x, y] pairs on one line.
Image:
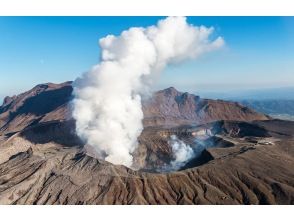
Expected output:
{"points": [[167, 107]]}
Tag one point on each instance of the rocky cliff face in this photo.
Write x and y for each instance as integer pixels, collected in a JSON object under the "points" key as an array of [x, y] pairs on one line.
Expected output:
{"points": [[248, 158]]}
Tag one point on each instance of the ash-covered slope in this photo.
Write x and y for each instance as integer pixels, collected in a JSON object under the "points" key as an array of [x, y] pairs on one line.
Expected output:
{"points": [[248, 158], [45, 102], [49, 102], [43, 172]]}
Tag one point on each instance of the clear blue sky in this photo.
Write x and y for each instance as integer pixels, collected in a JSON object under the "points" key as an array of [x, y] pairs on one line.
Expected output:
{"points": [[259, 52]]}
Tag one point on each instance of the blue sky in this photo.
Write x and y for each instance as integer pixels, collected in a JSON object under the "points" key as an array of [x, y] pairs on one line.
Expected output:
{"points": [[259, 52]]}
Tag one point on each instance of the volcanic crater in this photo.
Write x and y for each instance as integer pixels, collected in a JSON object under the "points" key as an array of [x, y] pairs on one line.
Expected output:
{"points": [[240, 156]]}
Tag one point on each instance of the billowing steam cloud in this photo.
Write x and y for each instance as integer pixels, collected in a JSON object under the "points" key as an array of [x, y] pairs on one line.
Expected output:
{"points": [[107, 104], [182, 153]]}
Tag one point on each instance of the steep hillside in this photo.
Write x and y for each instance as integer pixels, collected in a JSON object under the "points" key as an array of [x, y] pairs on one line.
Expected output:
{"points": [[169, 108], [45, 102]]}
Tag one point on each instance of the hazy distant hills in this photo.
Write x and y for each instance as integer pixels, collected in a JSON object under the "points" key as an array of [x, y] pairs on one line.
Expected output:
{"points": [[285, 93], [277, 102], [277, 108]]}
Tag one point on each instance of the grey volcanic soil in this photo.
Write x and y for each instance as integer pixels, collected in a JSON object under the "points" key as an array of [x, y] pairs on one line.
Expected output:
{"points": [[249, 159]]}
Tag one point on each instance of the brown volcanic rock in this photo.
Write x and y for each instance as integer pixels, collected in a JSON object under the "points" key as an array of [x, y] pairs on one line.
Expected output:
{"points": [[48, 102], [50, 173], [45, 102], [43, 162], [171, 108]]}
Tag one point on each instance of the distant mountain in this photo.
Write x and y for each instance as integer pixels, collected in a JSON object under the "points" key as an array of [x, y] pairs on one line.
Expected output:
{"points": [[284, 93], [170, 107], [283, 109], [276, 102]]}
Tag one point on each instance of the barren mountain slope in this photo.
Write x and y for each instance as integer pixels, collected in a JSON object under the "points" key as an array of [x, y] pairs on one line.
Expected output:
{"points": [[171, 108], [45, 102], [248, 158], [48, 102]]}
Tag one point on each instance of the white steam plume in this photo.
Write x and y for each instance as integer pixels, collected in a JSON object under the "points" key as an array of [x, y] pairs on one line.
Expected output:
{"points": [[107, 104], [182, 153]]}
